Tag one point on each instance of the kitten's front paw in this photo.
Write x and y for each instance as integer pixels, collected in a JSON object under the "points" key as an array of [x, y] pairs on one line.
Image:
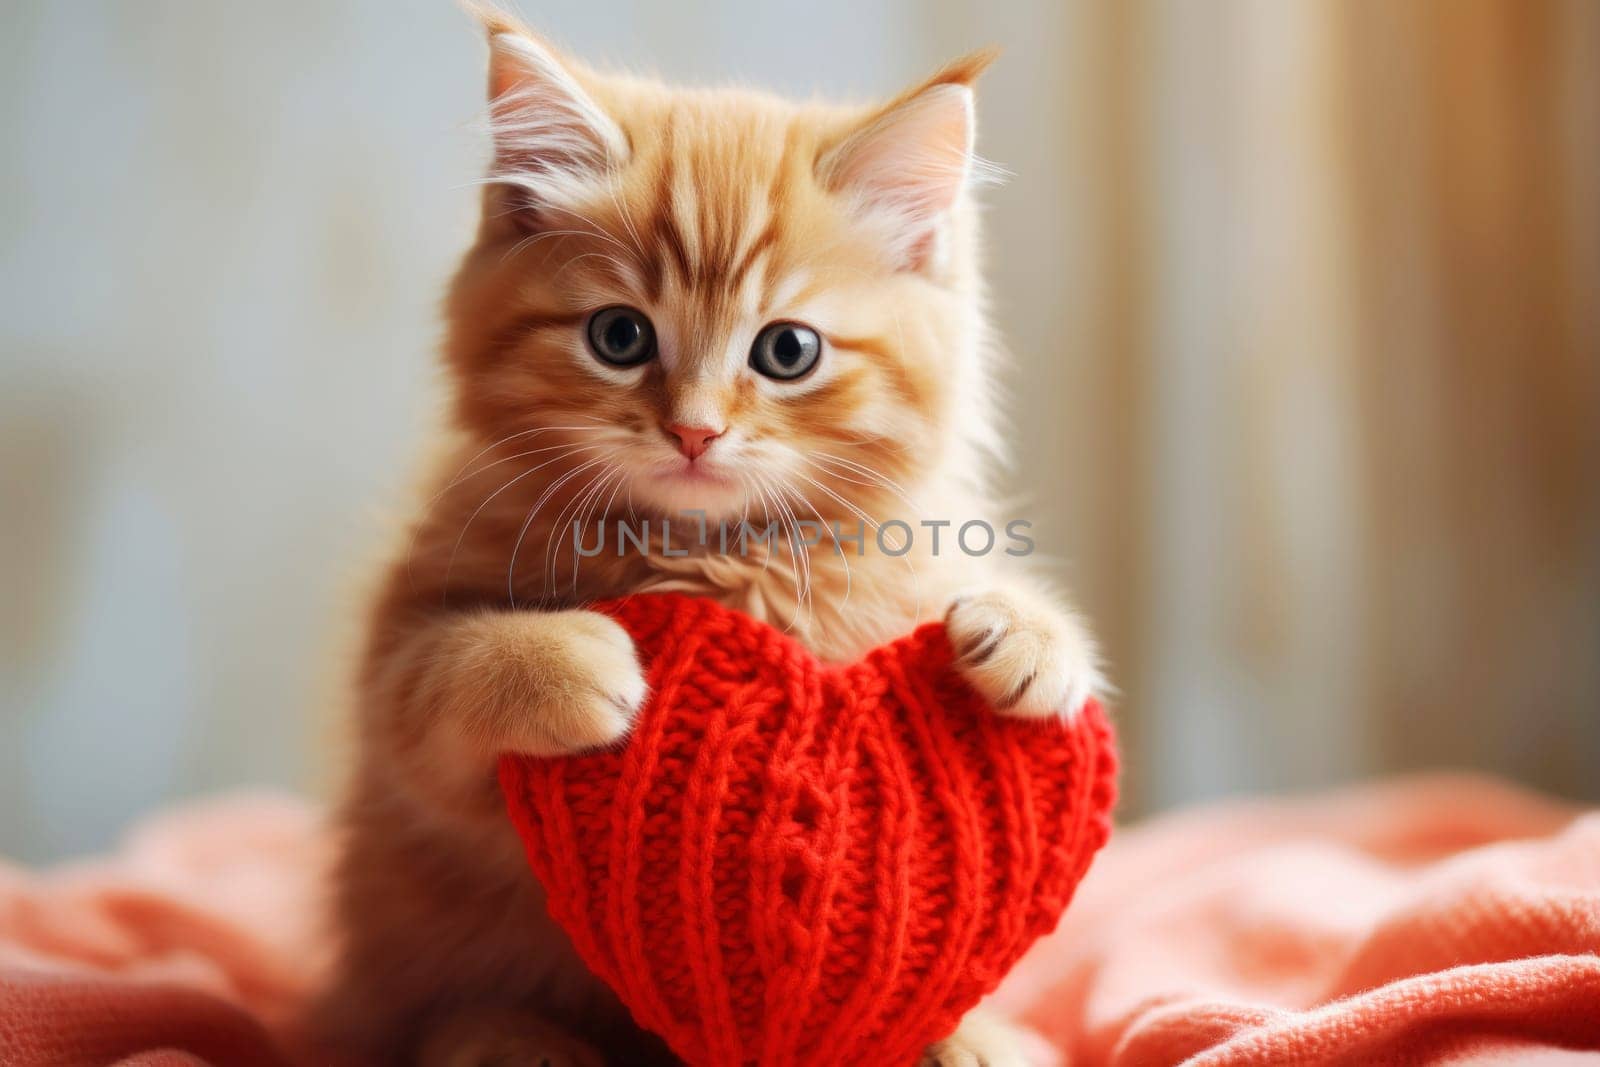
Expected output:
{"points": [[1026, 659], [579, 685], [981, 1041]]}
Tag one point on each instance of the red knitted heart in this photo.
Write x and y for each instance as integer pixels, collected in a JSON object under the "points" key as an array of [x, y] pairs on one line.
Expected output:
{"points": [[795, 862]]}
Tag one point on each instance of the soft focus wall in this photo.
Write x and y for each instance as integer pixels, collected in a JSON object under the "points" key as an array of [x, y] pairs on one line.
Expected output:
{"points": [[1302, 299]]}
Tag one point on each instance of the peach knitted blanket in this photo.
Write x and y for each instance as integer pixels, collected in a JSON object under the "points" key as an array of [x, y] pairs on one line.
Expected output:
{"points": [[1443, 919], [1429, 920]]}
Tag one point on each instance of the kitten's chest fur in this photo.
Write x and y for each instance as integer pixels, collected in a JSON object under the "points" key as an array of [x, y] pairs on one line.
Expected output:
{"points": [[836, 602]]}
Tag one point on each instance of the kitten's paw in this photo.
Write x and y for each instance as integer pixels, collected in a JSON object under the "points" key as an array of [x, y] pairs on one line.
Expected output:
{"points": [[981, 1041], [1026, 659], [578, 685]]}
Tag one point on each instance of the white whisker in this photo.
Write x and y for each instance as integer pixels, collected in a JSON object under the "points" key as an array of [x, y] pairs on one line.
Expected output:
{"points": [[461, 476], [865, 471], [581, 524], [543, 497], [795, 551], [867, 520], [839, 548], [551, 545], [450, 566]]}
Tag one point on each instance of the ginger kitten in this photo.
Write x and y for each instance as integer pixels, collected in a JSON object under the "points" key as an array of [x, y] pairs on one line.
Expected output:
{"points": [[677, 300]]}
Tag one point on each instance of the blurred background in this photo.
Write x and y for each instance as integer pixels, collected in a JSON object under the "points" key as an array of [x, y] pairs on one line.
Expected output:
{"points": [[1304, 298]]}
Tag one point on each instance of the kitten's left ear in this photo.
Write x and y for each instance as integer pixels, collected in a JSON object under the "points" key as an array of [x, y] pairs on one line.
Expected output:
{"points": [[551, 137], [906, 165]]}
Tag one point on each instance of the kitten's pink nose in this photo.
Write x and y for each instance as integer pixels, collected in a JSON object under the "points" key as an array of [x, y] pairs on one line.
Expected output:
{"points": [[693, 440]]}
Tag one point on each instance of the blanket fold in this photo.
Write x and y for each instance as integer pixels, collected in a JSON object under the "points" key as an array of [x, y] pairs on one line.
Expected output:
{"points": [[1442, 919], [1431, 919]]}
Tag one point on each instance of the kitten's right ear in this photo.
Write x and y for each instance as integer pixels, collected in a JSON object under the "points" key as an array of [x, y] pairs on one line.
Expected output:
{"points": [[551, 138], [905, 166]]}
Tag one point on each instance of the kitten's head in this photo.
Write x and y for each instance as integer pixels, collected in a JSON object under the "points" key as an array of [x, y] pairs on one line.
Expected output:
{"points": [[718, 299]]}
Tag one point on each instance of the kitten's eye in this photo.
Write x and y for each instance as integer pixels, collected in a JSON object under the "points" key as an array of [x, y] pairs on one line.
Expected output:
{"points": [[621, 336], [785, 351]]}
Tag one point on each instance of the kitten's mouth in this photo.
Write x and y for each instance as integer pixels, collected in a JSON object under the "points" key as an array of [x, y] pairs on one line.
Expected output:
{"points": [[681, 484], [696, 472]]}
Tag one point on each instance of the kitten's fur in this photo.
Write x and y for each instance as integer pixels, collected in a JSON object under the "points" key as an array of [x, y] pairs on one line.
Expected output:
{"points": [[715, 213]]}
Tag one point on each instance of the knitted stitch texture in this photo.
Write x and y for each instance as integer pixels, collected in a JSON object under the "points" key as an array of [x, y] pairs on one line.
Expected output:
{"points": [[793, 862]]}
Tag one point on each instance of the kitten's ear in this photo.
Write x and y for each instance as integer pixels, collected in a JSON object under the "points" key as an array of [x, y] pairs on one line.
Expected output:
{"points": [[551, 138], [906, 165]]}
